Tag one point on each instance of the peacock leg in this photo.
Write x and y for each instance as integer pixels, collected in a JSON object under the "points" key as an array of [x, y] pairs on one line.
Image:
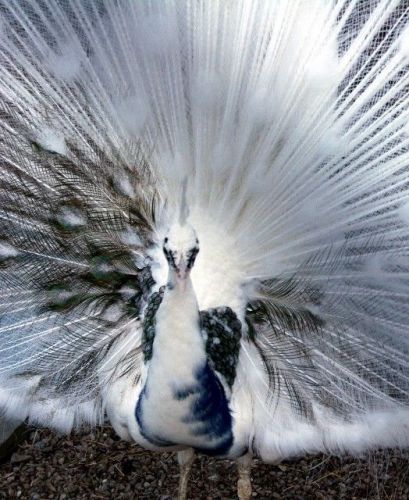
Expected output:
{"points": [[244, 481], [185, 459]]}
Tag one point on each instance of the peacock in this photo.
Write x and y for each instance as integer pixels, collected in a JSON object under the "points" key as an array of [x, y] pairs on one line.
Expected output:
{"points": [[204, 224]]}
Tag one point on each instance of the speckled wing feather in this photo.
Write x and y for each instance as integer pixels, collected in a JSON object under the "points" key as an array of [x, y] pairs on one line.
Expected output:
{"points": [[222, 332]]}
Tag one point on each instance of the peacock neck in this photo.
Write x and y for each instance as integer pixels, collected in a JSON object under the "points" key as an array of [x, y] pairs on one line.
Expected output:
{"points": [[182, 402], [177, 334]]}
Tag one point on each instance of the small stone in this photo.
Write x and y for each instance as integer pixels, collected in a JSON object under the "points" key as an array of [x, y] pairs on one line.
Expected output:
{"points": [[16, 458], [40, 445]]}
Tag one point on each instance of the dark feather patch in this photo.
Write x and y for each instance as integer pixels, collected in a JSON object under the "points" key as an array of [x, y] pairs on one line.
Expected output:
{"points": [[222, 330]]}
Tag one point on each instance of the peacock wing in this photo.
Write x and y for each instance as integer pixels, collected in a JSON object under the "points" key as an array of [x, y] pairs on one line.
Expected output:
{"points": [[332, 340], [76, 230], [222, 332]]}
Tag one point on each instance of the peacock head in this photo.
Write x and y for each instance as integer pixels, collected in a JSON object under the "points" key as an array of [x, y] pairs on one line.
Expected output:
{"points": [[181, 247], [181, 244]]}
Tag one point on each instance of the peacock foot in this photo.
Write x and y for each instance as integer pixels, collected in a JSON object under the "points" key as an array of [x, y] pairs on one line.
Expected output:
{"points": [[185, 459], [244, 481]]}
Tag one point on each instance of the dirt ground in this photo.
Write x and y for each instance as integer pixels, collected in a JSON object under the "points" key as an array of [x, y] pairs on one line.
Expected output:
{"points": [[100, 466]]}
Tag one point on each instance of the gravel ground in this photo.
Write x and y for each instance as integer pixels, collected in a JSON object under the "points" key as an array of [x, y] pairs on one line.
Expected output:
{"points": [[100, 466]]}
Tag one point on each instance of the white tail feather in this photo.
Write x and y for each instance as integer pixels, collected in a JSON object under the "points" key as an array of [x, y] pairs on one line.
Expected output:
{"points": [[289, 121]]}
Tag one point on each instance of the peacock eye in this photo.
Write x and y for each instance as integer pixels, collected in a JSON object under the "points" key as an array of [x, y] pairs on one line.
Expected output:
{"points": [[192, 257], [170, 256]]}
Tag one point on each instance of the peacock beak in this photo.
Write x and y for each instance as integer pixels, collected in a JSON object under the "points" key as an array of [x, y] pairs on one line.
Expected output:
{"points": [[182, 272]]}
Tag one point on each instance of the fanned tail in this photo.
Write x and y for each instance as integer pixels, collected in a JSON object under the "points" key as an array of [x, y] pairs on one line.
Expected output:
{"points": [[290, 122]]}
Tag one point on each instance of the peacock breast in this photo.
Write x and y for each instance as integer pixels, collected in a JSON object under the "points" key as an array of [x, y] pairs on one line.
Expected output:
{"points": [[185, 399], [192, 413]]}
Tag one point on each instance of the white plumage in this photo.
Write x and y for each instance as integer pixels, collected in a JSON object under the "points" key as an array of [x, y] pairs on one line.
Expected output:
{"points": [[287, 123]]}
